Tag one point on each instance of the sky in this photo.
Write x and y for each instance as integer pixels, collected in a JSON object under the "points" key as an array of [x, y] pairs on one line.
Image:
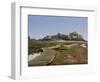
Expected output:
{"points": [[39, 26]]}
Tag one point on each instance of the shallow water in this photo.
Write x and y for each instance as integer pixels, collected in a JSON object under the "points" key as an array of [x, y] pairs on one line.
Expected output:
{"points": [[83, 45], [33, 56]]}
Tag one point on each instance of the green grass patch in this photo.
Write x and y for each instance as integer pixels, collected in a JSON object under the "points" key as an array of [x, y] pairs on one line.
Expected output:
{"points": [[61, 48]]}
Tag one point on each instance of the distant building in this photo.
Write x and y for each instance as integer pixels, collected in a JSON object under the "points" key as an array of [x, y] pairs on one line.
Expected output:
{"points": [[75, 36]]}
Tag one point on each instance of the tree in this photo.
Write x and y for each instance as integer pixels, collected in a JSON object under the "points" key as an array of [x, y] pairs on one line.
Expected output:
{"points": [[59, 36], [75, 36], [47, 38], [29, 38], [64, 37]]}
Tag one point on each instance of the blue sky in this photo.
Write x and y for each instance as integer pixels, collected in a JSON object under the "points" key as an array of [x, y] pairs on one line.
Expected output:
{"points": [[40, 26]]}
